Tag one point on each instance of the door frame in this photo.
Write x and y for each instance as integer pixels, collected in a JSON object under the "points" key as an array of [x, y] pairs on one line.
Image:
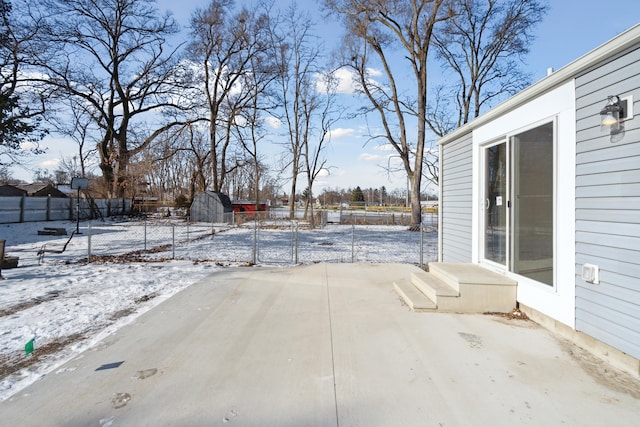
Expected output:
{"points": [[506, 139]]}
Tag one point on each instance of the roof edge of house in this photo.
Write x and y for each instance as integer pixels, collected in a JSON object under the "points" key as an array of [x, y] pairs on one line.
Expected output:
{"points": [[612, 47]]}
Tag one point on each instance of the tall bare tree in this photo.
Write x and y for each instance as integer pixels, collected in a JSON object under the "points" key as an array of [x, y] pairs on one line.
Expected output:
{"points": [[250, 126], [319, 107], [223, 45], [111, 55], [394, 35], [179, 164], [297, 53], [80, 127], [482, 45]]}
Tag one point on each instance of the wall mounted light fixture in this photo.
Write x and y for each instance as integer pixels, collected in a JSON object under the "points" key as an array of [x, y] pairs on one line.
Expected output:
{"points": [[612, 114]]}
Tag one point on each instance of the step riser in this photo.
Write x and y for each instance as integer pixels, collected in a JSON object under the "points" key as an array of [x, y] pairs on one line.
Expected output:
{"points": [[480, 299]]}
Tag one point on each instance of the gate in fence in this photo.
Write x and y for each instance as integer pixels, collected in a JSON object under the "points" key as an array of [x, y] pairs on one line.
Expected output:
{"points": [[277, 245]]}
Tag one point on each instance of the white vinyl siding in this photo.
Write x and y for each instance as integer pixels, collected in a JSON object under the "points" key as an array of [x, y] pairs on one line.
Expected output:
{"points": [[456, 200]]}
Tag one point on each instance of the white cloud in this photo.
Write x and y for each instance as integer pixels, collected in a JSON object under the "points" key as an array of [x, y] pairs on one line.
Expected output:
{"points": [[374, 72], [339, 133], [347, 81], [50, 163], [273, 122]]}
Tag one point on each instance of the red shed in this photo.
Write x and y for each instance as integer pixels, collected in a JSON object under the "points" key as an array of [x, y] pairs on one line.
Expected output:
{"points": [[249, 206]]}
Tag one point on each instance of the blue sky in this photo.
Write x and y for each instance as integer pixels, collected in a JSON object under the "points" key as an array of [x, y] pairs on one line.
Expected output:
{"points": [[571, 29]]}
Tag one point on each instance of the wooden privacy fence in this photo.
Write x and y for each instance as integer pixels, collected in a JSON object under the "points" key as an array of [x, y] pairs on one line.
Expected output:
{"points": [[30, 209]]}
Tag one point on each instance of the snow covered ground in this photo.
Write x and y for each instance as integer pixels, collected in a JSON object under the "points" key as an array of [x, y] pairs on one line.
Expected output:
{"points": [[68, 304]]}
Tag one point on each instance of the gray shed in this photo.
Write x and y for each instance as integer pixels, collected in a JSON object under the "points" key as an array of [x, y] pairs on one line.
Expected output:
{"points": [[210, 206]]}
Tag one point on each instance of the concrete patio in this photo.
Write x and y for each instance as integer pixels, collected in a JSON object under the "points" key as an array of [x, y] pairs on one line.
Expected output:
{"points": [[322, 345]]}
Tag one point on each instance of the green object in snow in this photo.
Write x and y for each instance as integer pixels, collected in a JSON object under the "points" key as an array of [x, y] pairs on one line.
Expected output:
{"points": [[28, 347]]}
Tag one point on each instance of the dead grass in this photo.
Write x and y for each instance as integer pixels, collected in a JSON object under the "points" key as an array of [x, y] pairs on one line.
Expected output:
{"points": [[27, 304], [11, 365]]}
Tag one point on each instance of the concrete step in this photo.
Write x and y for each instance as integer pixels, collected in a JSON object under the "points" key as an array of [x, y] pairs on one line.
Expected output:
{"points": [[481, 290], [432, 286], [459, 288], [410, 294]]}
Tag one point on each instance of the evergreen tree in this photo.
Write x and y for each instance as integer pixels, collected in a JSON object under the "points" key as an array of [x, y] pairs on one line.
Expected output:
{"points": [[357, 195], [383, 195]]}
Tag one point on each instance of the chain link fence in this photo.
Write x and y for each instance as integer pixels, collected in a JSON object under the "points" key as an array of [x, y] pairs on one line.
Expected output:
{"points": [[251, 238]]}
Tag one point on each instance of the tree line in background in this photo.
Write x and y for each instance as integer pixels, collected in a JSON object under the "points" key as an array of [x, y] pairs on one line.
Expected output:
{"points": [[249, 102]]}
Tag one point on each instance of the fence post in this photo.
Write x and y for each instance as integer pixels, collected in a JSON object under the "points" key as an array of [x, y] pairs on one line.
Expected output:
{"points": [[421, 244], [89, 243], [353, 241], [296, 243], [145, 232], [255, 243], [173, 241]]}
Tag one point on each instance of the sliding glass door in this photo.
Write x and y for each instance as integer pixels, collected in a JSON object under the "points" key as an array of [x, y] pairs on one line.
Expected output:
{"points": [[495, 203], [518, 203], [532, 230]]}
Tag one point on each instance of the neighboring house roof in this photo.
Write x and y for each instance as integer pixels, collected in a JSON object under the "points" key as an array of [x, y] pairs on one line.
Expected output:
{"points": [[613, 47], [41, 190], [11, 190]]}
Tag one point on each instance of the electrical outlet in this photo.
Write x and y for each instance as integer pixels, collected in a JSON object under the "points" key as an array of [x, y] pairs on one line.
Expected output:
{"points": [[591, 273]]}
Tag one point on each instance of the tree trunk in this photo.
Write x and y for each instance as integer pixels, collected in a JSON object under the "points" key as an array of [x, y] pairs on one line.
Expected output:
{"points": [[416, 209], [215, 185], [312, 220]]}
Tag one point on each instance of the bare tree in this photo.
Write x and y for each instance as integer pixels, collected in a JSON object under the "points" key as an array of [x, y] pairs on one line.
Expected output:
{"points": [[111, 56], [483, 45], [319, 106], [194, 142], [251, 114], [76, 124], [179, 164], [396, 35], [297, 54], [223, 46]]}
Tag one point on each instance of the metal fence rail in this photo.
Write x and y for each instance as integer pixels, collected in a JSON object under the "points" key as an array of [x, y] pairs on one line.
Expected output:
{"points": [[266, 241], [258, 243]]}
